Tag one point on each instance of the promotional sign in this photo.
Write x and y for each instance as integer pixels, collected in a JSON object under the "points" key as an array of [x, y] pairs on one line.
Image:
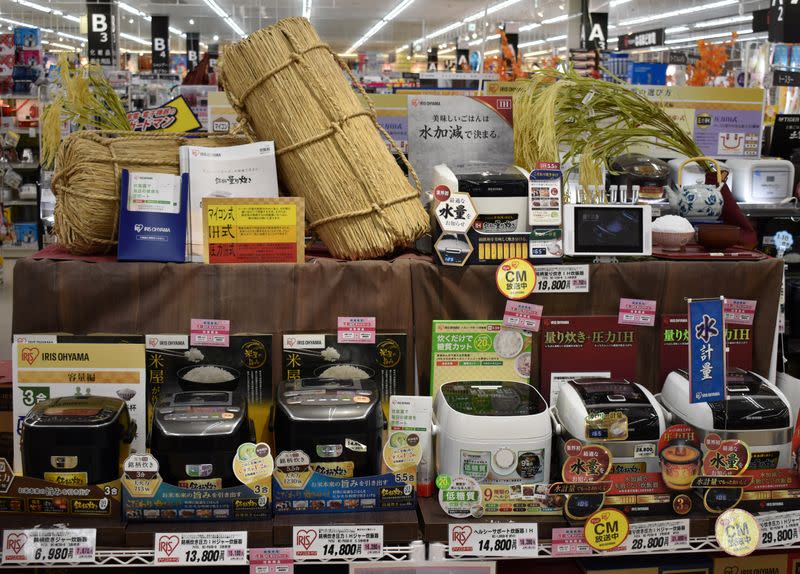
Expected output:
{"points": [[645, 39], [455, 213], [525, 316], [210, 332], [594, 30], [562, 279], [174, 116], [637, 312], [515, 278], [737, 532], [271, 561], [357, 330], [56, 546], [102, 32], [504, 540], [159, 44], [206, 548], [192, 50], [606, 529], [326, 542], [221, 115], [569, 542], [785, 136], [779, 529], [253, 230], [544, 197], [707, 364], [740, 311]]}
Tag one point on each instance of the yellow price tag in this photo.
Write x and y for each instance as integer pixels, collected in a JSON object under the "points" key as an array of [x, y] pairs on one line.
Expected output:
{"points": [[738, 532], [606, 529], [515, 278]]}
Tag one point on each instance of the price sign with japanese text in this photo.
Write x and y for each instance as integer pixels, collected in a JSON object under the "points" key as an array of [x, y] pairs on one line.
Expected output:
{"points": [[569, 542], [206, 548], [657, 536], [337, 542], [525, 316], [779, 529], [358, 330], [562, 279], [53, 546], [493, 539], [641, 312]]}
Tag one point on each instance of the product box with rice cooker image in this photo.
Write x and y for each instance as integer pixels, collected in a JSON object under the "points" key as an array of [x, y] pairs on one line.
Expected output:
{"points": [[79, 412], [331, 453], [207, 420]]}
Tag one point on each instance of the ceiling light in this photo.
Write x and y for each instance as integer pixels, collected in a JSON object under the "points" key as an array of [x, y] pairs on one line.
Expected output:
{"points": [[676, 30], [385, 20], [704, 37], [444, 30], [307, 9], [216, 8], [532, 43], [527, 27], [133, 38], [191, 22], [614, 3], [724, 21], [128, 8], [130, 20], [475, 16], [539, 53], [175, 31], [448, 51], [71, 18], [556, 38], [35, 6], [401, 49], [397, 9], [216, 38], [491, 52], [501, 6], [556, 20], [74, 37], [673, 13]]}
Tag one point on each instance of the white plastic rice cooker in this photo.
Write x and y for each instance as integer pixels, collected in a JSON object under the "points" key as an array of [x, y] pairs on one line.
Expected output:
{"points": [[497, 432], [755, 412], [632, 440]]}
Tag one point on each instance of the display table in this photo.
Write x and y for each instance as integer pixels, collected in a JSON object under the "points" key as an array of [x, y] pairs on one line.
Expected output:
{"points": [[403, 295]]}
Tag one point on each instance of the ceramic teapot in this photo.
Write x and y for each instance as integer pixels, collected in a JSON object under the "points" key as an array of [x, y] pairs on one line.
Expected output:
{"points": [[698, 200]]}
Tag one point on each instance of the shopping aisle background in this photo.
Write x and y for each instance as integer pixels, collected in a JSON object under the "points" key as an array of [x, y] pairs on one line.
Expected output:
{"points": [[6, 290]]}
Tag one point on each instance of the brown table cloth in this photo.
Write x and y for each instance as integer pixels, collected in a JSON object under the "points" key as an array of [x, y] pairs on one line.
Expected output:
{"points": [[403, 295]]}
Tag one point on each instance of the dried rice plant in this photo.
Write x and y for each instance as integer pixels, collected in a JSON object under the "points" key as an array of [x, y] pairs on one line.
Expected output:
{"points": [[86, 182], [594, 120], [289, 87]]}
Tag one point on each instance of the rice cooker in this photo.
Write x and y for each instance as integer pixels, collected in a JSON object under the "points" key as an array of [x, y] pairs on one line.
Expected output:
{"points": [[755, 412], [76, 440], [337, 423], [195, 436], [497, 432], [694, 173], [762, 180], [622, 416], [649, 173]]}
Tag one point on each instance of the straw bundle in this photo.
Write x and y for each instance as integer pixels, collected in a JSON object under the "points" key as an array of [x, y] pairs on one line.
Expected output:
{"points": [[86, 182], [288, 87]]}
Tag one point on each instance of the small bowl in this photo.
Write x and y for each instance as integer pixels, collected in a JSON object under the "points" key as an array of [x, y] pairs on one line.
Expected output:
{"points": [[717, 236], [672, 240]]}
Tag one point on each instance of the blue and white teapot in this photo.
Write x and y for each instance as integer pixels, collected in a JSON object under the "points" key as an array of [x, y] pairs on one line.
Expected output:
{"points": [[699, 200]]}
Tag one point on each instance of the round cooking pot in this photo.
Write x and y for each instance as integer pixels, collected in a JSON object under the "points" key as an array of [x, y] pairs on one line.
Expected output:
{"points": [[194, 386]]}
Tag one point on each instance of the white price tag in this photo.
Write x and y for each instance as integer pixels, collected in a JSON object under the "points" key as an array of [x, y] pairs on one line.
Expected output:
{"points": [[562, 279], [657, 536], [206, 548], [337, 542], [493, 539], [779, 529], [54, 546]]}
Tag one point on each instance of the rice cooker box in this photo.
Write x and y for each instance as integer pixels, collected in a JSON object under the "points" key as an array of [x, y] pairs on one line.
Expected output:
{"points": [[478, 351], [248, 359], [622, 416], [386, 361], [755, 412]]}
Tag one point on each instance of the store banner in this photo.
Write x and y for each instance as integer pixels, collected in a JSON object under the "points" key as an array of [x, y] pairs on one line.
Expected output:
{"points": [[102, 33], [707, 362], [433, 59], [159, 44], [192, 50], [644, 39], [594, 31]]}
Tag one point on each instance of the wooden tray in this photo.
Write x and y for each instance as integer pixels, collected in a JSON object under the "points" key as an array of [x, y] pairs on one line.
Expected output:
{"points": [[696, 252]]}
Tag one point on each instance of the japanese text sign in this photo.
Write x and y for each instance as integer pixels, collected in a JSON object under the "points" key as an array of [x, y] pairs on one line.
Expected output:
{"points": [[707, 350]]}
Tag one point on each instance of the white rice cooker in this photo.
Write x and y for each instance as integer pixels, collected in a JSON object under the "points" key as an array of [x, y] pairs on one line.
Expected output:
{"points": [[767, 180], [755, 412], [497, 432], [585, 409]]}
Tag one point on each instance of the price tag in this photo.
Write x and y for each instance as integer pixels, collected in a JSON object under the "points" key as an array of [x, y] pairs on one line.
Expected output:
{"points": [[739, 311], [358, 330], [639, 312], [54, 546], [657, 536], [206, 548], [525, 316], [271, 561], [562, 279], [493, 539], [210, 332], [337, 542], [785, 78], [569, 542], [779, 529]]}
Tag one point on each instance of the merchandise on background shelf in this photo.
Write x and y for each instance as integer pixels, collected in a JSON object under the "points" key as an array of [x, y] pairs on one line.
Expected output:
{"points": [[7, 63], [27, 38], [622, 416], [755, 412], [27, 234], [29, 57], [27, 113], [337, 422], [7, 45], [478, 351]]}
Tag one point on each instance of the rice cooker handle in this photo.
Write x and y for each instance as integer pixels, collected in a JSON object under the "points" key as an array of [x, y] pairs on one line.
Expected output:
{"points": [[127, 438], [251, 427], [556, 425]]}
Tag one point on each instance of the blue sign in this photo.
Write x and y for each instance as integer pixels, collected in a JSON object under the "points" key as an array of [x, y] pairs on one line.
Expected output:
{"points": [[707, 350]]}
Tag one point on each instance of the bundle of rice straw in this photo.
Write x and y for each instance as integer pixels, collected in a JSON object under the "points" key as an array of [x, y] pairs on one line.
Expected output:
{"points": [[86, 182], [287, 86]]}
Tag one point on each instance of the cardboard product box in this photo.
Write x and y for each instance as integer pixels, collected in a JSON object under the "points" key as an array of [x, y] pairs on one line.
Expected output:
{"points": [[794, 563], [753, 564], [664, 564]]}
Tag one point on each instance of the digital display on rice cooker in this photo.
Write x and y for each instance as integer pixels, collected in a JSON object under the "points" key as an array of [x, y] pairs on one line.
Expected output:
{"points": [[617, 230]]}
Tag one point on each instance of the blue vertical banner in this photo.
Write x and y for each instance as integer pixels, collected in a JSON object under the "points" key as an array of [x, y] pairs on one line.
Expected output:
{"points": [[707, 366]]}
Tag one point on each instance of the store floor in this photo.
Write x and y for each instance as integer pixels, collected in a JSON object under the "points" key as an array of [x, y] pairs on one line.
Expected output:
{"points": [[6, 300]]}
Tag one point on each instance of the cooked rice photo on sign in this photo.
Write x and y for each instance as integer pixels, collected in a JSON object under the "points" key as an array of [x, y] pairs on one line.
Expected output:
{"points": [[508, 344], [208, 374], [344, 372]]}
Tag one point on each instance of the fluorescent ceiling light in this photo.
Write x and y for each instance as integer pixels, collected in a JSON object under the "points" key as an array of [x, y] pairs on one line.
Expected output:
{"points": [[65, 46], [234, 26], [501, 5], [307, 9], [448, 51], [676, 30], [397, 9], [34, 5], [491, 52], [673, 13], [401, 49], [556, 38], [74, 37], [71, 18], [614, 39], [614, 3], [444, 30], [175, 31], [704, 37], [128, 8], [475, 16], [532, 43], [556, 20], [133, 38], [527, 27], [724, 21], [385, 20], [537, 53], [216, 8]]}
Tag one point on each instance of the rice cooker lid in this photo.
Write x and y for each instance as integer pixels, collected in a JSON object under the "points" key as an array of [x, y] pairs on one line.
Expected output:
{"points": [[493, 398], [323, 399], [83, 411], [490, 180], [751, 405], [207, 413], [603, 396]]}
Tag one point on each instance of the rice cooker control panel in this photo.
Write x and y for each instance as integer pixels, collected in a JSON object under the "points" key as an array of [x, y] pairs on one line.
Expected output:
{"points": [[326, 397], [200, 412]]}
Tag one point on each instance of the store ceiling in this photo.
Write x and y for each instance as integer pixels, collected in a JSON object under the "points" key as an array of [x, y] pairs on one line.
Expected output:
{"points": [[343, 22]]}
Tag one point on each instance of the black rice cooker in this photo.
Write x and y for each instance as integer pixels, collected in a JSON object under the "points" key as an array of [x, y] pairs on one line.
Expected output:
{"points": [[649, 173], [337, 423], [195, 437], [76, 440]]}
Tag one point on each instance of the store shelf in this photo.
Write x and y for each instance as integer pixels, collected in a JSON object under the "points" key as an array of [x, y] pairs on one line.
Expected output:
{"points": [[13, 252], [749, 209], [23, 131], [18, 97], [19, 165], [19, 202]]}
